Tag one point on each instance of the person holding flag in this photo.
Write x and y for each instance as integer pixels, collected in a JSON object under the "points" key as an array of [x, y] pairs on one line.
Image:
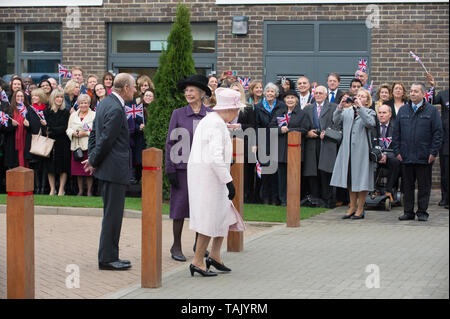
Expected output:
{"points": [[288, 118], [15, 131]]}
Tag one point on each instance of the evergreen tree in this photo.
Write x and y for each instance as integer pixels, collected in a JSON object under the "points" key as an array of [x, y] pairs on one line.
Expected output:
{"points": [[175, 63]]}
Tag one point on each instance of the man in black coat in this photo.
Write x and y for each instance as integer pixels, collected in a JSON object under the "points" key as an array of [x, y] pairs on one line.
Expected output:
{"points": [[334, 94], [383, 137], [417, 139], [320, 152], [442, 99], [109, 160]]}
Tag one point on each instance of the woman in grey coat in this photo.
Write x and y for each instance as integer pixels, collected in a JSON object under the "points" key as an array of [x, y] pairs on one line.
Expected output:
{"points": [[353, 169]]}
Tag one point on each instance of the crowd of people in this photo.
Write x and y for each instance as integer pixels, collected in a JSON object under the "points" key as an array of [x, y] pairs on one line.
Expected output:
{"points": [[334, 172], [66, 115]]}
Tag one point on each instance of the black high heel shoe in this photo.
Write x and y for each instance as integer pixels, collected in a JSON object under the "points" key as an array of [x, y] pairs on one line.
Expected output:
{"points": [[349, 216], [360, 216], [209, 261], [206, 273]]}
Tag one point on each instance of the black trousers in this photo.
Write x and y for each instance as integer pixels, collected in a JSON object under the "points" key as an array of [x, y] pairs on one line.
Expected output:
{"points": [[422, 174], [269, 187], [249, 182], [443, 162], [282, 182], [113, 204], [319, 186], [393, 167]]}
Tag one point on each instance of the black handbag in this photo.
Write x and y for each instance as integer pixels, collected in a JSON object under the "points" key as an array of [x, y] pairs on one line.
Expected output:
{"points": [[375, 152], [333, 134], [78, 155]]}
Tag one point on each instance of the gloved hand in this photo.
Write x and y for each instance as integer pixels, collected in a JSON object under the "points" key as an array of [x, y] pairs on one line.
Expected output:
{"points": [[173, 179], [231, 190]]}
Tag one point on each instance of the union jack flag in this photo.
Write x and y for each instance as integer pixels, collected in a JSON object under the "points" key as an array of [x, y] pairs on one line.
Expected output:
{"points": [[134, 111], [362, 65], [283, 120], [4, 119], [22, 110], [4, 97], [429, 95], [64, 72], [39, 113], [244, 82], [313, 91], [386, 141], [415, 57], [258, 169], [86, 127]]}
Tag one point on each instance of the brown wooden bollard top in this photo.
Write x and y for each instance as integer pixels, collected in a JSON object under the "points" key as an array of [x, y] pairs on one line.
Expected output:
{"points": [[293, 179], [235, 239], [20, 233], [151, 261]]}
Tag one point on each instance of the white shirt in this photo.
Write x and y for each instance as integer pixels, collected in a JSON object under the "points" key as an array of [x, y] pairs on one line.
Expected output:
{"points": [[304, 100]]}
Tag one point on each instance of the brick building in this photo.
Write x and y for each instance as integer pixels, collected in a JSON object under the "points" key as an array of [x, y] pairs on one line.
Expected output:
{"points": [[285, 37]]}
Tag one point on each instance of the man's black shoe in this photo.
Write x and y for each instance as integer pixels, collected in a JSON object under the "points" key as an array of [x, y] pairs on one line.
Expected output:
{"points": [[115, 265], [407, 216], [124, 261], [443, 203], [423, 217]]}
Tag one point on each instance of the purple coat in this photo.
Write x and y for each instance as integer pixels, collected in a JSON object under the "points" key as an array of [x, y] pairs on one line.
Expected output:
{"points": [[181, 118]]}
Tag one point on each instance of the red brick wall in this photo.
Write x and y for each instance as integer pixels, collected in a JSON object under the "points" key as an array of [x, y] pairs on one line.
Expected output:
{"points": [[422, 28]]}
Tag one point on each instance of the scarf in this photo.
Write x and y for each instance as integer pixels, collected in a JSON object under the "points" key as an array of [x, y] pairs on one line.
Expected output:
{"points": [[267, 106], [20, 138]]}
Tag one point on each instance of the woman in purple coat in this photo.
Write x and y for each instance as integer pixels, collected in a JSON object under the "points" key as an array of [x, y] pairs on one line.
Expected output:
{"points": [[181, 131]]}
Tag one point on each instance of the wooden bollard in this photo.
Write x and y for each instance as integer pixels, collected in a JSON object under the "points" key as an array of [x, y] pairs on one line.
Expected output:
{"points": [[20, 233], [235, 239], [293, 179], [151, 261]]}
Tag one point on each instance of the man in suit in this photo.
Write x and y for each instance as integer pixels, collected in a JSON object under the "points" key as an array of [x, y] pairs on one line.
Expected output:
{"points": [[109, 161], [383, 138], [304, 87], [442, 99], [77, 75], [417, 139], [334, 94], [320, 152]]}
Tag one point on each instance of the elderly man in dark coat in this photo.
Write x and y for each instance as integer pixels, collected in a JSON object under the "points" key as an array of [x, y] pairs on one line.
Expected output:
{"points": [[320, 152]]}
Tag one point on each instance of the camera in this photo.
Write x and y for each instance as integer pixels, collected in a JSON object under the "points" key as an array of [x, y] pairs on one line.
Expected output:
{"points": [[317, 131], [350, 99]]}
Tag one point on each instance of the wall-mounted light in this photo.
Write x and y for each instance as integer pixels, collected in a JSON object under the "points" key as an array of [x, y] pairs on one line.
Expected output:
{"points": [[240, 25]]}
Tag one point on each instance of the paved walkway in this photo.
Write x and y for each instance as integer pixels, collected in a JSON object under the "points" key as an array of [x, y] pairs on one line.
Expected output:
{"points": [[65, 237], [328, 257]]}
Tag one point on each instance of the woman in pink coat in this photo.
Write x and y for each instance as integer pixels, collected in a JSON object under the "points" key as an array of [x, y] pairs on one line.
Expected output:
{"points": [[210, 183]]}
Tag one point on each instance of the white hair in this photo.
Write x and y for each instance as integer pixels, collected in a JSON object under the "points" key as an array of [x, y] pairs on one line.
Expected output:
{"points": [[272, 86]]}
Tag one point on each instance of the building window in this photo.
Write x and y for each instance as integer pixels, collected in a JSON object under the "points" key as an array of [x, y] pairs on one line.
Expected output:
{"points": [[30, 50], [136, 47]]}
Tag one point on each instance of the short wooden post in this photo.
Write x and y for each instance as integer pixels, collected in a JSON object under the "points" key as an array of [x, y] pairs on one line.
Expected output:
{"points": [[151, 261], [20, 233], [235, 239], [293, 179]]}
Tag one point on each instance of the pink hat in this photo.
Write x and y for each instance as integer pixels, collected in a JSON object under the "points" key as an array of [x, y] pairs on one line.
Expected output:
{"points": [[227, 99]]}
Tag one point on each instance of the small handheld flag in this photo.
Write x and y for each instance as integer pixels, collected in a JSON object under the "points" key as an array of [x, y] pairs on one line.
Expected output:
{"points": [[244, 82], [86, 127], [371, 86], [64, 72], [429, 95], [4, 97], [134, 111], [313, 91], [418, 60], [258, 169], [362, 65], [283, 120], [4, 119], [22, 110]]}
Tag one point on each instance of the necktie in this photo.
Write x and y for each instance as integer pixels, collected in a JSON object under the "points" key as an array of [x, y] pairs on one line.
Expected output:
{"points": [[319, 108], [383, 135], [332, 97], [415, 108]]}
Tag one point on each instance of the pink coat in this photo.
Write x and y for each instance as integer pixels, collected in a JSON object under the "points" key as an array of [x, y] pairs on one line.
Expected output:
{"points": [[208, 172]]}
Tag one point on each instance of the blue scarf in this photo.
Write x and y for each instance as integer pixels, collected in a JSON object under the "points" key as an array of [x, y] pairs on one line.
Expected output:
{"points": [[268, 107]]}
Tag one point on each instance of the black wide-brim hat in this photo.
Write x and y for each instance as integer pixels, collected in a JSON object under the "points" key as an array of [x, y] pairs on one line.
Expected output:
{"points": [[291, 92], [196, 80]]}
